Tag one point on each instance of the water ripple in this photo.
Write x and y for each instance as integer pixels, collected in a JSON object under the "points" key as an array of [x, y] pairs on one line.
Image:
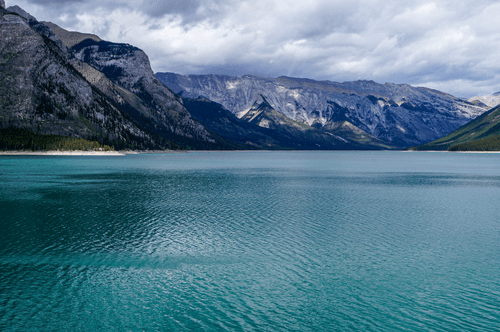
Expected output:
{"points": [[251, 242]]}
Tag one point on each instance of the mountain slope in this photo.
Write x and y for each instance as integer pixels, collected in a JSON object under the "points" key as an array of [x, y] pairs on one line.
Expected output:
{"points": [[265, 128], [70, 38], [400, 114], [482, 134], [40, 91], [124, 74], [219, 120]]}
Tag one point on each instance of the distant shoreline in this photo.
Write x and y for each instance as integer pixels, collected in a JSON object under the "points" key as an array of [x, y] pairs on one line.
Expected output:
{"points": [[131, 152], [475, 151], [446, 151], [84, 153], [62, 153]]}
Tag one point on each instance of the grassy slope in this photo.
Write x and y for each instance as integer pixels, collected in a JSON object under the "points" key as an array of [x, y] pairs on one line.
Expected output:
{"points": [[482, 134]]}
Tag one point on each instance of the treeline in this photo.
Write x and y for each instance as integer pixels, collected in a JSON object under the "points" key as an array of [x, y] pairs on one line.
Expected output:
{"points": [[485, 144], [14, 139]]}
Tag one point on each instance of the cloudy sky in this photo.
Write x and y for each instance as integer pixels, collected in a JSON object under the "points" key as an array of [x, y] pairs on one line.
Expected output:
{"points": [[453, 46]]}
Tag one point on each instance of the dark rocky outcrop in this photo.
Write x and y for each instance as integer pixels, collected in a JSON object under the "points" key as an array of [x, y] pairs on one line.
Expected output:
{"points": [[19, 11]]}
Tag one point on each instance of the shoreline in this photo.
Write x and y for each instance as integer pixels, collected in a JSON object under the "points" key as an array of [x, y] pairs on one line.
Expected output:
{"points": [[446, 151], [134, 152], [475, 151], [85, 153], [61, 153]]}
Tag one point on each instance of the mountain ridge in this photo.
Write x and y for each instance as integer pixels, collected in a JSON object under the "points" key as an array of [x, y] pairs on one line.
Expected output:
{"points": [[122, 76], [399, 114], [59, 82], [264, 128]]}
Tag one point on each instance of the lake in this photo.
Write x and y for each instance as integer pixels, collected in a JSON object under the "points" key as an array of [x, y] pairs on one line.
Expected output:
{"points": [[251, 241]]}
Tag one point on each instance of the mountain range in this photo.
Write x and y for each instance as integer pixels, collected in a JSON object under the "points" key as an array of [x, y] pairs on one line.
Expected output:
{"points": [[72, 84], [399, 114], [265, 128]]}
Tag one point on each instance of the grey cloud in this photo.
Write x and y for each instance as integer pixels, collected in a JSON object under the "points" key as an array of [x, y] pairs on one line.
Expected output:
{"points": [[53, 3], [440, 44], [188, 10], [159, 8]]}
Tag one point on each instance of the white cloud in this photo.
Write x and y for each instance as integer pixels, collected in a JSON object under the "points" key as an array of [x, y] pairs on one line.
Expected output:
{"points": [[442, 44]]}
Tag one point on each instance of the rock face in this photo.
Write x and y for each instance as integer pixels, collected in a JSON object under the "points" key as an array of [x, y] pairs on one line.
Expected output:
{"points": [[2, 4], [400, 114], [41, 91], [486, 101], [19, 11], [70, 38], [125, 71], [265, 128], [100, 90]]}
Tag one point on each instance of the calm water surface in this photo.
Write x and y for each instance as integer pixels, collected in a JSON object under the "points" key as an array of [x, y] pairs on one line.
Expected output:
{"points": [[251, 241]]}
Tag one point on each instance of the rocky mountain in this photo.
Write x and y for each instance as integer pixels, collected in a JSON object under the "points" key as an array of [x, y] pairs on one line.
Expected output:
{"points": [[56, 82], [486, 101], [82, 86], [482, 134], [70, 38], [42, 92], [123, 72], [264, 128], [399, 114], [19, 11]]}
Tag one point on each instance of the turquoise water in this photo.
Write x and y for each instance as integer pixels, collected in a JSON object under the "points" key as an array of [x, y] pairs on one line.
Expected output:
{"points": [[251, 241]]}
